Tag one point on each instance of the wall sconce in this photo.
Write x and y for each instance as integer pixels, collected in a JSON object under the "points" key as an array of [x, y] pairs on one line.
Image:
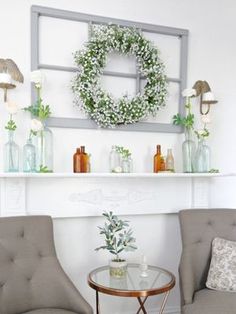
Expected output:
{"points": [[9, 72], [206, 96]]}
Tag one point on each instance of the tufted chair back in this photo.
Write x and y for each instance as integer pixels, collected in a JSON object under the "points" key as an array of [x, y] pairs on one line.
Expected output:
{"points": [[30, 274], [198, 228]]}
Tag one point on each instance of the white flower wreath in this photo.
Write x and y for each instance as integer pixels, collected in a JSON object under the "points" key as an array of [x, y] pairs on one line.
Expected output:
{"points": [[100, 105]]}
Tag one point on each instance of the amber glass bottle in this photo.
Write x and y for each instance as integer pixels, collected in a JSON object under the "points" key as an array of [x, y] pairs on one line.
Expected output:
{"points": [[159, 162], [76, 161], [84, 160]]}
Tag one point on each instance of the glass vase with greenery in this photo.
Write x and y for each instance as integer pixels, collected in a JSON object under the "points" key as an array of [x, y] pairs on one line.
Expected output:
{"points": [[203, 153], [187, 121], [43, 139], [11, 149]]}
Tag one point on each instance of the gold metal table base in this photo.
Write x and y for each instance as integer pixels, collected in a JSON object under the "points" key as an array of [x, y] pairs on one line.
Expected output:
{"points": [[141, 303]]}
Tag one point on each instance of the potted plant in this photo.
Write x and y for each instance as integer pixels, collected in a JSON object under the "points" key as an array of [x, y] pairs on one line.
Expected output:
{"points": [[118, 238]]}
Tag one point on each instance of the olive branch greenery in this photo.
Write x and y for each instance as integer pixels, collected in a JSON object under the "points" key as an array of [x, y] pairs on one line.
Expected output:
{"points": [[106, 111], [39, 110], [118, 235]]}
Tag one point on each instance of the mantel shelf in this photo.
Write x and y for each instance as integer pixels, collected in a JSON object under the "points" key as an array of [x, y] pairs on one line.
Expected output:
{"points": [[68, 194], [114, 175]]}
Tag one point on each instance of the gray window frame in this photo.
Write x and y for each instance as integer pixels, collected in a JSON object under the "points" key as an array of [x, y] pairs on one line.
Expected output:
{"points": [[182, 34]]}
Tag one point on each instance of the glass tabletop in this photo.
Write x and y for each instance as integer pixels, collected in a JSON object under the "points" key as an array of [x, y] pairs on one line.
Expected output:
{"points": [[158, 280]]}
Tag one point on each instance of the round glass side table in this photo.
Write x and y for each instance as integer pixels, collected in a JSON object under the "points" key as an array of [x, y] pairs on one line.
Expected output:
{"points": [[157, 282]]}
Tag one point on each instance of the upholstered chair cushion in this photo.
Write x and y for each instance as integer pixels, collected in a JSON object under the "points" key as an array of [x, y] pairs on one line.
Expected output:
{"points": [[31, 277], [208, 301], [49, 311], [198, 228]]}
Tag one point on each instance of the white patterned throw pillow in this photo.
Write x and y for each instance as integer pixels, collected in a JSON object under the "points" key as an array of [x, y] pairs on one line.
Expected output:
{"points": [[222, 272]]}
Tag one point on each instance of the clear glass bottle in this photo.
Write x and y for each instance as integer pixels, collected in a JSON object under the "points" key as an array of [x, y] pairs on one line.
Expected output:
{"points": [[115, 160], [29, 157], [170, 166], [127, 164], [44, 150], [188, 151], [11, 154], [202, 157]]}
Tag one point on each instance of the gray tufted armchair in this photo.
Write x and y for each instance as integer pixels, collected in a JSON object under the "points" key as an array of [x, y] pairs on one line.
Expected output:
{"points": [[31, 278], [198, 228]]}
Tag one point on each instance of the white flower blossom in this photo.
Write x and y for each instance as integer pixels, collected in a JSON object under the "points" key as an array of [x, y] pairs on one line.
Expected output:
{"points": [[37, 78], [36, 125], [203, 133], [205, 118], [189, 92], [12, 107]]}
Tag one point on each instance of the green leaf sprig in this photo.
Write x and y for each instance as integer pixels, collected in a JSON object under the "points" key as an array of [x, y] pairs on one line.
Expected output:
{"points": [[39, 110], [11, 125], [124, 152], [186, 122], [44, 169]]}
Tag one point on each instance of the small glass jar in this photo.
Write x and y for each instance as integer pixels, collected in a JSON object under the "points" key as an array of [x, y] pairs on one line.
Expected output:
{"points": [[127, 164], [29, 157], [11, 154], [115, 161]]}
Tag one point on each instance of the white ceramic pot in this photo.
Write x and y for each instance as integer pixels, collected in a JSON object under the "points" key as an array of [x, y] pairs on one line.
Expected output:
{"points": [[118, 269]]}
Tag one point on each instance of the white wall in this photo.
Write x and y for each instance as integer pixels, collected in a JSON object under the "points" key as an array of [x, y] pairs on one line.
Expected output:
{"points": [[212, 51]]}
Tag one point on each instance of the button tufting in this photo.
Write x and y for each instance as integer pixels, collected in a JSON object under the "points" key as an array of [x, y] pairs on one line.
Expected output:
{"points": [[22, 234], [234, 224], [209, 223]]}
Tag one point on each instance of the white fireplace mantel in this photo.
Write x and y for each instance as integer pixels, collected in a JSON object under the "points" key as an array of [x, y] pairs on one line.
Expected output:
{"points": [[89, 194]]}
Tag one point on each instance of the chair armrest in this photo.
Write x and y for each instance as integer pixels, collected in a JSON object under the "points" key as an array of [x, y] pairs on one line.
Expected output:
{"points": [[76, 300], [187, 279]]}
